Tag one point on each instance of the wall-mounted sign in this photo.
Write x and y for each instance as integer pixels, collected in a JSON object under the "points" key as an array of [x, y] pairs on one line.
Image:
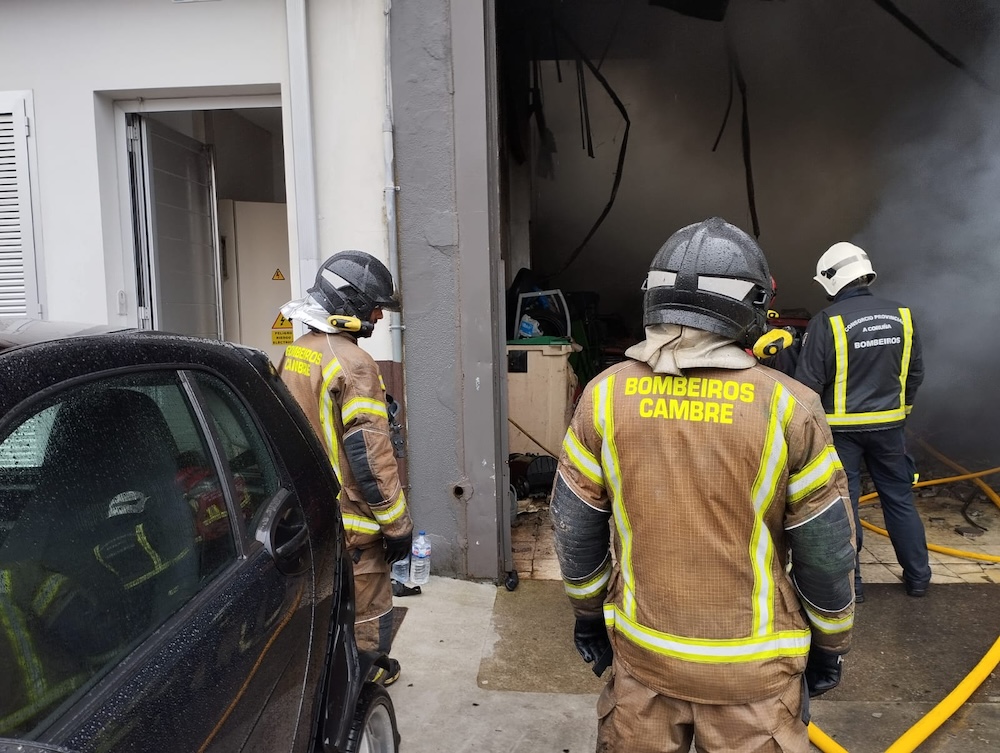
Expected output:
{"points": [[281, 331]]}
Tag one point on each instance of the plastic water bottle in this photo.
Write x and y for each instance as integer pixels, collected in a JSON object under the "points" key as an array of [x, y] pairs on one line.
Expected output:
{"points": [[401, 570], [420, 560]]}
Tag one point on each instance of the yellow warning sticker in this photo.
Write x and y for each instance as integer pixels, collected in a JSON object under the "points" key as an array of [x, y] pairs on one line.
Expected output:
{"points": [[277, 275], [282, 337], [282, 323]]}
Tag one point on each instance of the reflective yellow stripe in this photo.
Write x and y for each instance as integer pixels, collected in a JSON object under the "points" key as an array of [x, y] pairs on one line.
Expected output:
{"points": [[604, 419], [326, 417], [828, 625], [213, 514], [363, 405], [140, 536], [774, 457], [50, 696], [872, 417], [46, 593], [904, 366], [100, 558], [159, 564], [393, 512], [840, 377], [815, 475], [708, 650], [582, 458], [358, 524], [17, 632], [592, 586]]}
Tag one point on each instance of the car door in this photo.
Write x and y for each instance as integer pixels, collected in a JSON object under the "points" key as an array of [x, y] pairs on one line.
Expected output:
{"points": [[156, 582]]}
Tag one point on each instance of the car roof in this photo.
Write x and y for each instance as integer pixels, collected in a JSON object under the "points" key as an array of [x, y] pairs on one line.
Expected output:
{"points": [[36, 355], [19, 331]]}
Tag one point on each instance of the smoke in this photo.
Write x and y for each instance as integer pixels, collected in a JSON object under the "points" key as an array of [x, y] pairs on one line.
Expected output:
{"points": [[934, 239]]}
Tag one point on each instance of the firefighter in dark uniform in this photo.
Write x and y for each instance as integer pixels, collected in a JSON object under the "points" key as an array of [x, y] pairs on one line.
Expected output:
{"points": [[341, 391], [862, 355], [702, 520]]}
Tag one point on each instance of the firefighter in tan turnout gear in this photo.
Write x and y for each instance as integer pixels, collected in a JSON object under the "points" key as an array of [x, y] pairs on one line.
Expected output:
{"points": [[342, 393], [702, 519]]}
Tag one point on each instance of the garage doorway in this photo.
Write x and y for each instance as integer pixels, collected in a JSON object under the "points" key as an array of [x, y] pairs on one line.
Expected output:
{"points": [[621, 121], [210, 224]]}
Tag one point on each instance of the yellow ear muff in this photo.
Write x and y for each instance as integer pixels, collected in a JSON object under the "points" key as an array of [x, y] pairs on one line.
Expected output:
{"points": [[772, 342], [346, 323]]}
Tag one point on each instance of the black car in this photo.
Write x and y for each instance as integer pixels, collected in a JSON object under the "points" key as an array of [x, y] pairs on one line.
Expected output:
{"points": [[172, 567]]}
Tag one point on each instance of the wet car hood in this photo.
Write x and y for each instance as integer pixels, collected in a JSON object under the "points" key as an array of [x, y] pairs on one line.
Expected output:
{"points": [[27, 331]]}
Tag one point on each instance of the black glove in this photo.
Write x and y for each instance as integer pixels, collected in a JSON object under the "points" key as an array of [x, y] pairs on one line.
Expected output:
{"points": [[823, 671], [397, 548], [591, 638]]}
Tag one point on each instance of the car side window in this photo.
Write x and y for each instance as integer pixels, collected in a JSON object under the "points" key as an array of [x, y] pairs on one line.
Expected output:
{"points": [[254, 474], [20, 465], [114, 524]]}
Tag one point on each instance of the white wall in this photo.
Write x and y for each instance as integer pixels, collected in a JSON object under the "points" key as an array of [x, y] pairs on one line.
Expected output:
{"points": [[65, 51], [79, 58], [347, 45]]}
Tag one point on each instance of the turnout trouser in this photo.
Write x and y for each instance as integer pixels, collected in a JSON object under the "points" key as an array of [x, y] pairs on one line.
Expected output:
{"points": [[373, 601], [884, 454], [636, 719]]}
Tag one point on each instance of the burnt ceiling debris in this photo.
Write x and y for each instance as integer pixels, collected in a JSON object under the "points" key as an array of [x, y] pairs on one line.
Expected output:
{"points": [[583, 32]]}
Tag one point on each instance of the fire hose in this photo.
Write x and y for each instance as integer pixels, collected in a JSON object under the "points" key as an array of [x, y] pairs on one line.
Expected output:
{"points": [[936, 717]]}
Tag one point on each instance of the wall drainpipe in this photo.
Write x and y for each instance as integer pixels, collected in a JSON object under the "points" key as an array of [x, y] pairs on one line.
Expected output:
{"points": [[303, 154], [395, 320]]}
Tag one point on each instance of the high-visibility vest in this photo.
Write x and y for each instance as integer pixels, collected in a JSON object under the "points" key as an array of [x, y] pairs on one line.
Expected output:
{"points": [[845, 413]]}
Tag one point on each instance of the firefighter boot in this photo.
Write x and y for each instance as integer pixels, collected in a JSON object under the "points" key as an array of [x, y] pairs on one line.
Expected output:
{"points": [[386, 677]]}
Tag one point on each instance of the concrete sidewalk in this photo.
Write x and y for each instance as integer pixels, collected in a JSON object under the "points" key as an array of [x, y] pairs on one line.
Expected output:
{"points": [[440, 705], [908, 655]]}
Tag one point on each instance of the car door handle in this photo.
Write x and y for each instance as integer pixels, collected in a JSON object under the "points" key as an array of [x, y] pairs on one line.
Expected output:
{"points": [[298, 541]]}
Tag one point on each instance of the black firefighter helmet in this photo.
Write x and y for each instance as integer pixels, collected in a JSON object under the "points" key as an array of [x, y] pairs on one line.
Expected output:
{"points": [[354, 283], [711, 276]]}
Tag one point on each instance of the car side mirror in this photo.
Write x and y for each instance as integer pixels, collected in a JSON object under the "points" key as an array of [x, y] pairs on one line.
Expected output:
{"points": [[285, 535]]}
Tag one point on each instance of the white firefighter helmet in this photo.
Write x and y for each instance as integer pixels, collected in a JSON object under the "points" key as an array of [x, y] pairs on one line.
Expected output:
{"points": [[842, 263]]}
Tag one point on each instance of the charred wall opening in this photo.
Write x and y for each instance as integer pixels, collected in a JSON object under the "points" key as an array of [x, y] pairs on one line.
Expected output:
{"points": [[804, 122]]}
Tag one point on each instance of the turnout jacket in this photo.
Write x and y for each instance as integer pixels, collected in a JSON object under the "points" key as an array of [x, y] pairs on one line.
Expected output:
{"points": [[340, 389], [863, 356], [732, 544]]}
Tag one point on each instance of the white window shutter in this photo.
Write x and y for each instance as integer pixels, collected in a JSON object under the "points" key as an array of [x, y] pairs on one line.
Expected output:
{"points": [[18, 287]]}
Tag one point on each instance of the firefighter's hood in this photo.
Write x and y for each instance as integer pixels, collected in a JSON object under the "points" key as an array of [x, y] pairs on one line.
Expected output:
{"points": [[674, 348]]}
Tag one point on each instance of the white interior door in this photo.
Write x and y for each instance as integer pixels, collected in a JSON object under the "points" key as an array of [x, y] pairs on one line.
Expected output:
{"points": [[173, 192]]}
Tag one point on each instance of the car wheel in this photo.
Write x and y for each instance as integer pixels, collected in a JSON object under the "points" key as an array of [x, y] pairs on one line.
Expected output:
{"points": [[374, 728]]}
